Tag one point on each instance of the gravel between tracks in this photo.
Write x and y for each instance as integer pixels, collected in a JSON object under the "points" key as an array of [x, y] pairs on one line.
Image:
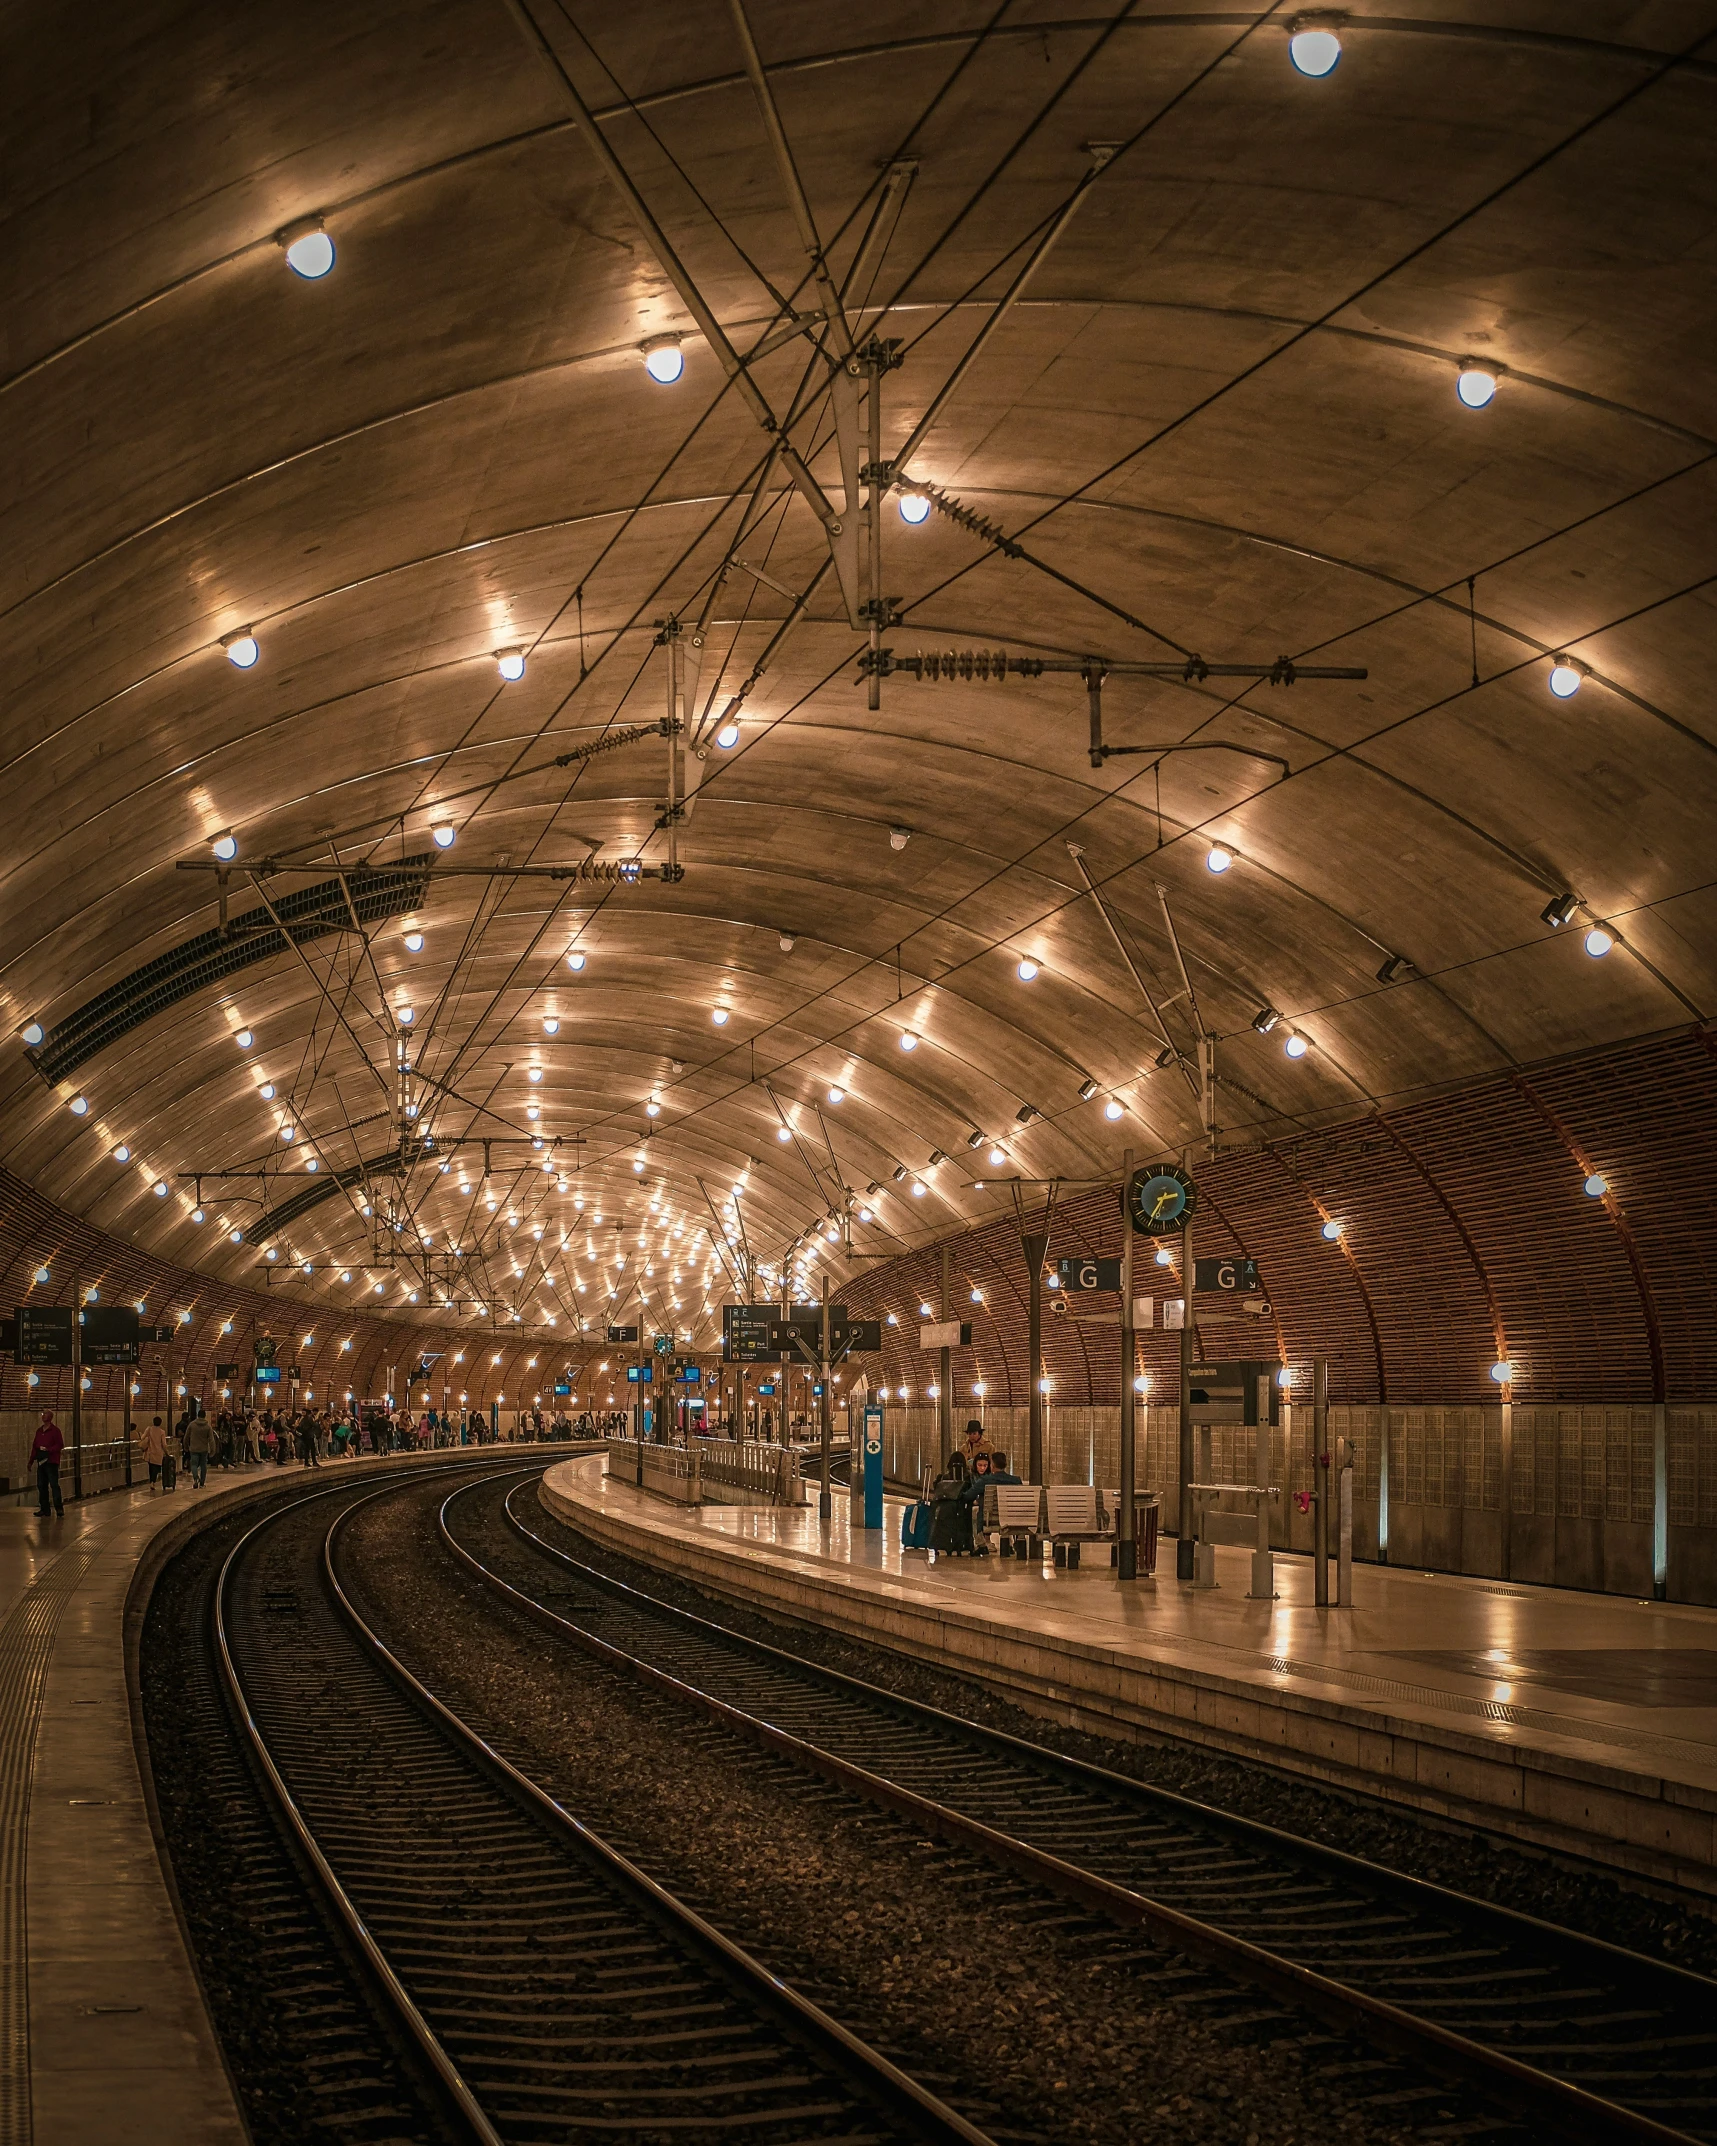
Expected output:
{"points": [[1578, 1899], [1027, 2006]]}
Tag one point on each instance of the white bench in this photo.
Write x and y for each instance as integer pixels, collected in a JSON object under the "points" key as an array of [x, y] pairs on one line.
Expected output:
{"points": [[1013, 1512], [1073, 1513]]}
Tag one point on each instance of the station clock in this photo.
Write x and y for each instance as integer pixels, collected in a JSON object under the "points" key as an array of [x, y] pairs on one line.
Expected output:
{"points": [[1160, 1198]]}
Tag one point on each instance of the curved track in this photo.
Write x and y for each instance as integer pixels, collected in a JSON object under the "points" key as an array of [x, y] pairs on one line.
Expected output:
{"points": [[1583, 2039], [551, 1989]]}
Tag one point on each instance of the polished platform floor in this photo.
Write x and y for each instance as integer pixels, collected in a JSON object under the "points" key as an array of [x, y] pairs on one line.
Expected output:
{"points": [[1619, 1685]]}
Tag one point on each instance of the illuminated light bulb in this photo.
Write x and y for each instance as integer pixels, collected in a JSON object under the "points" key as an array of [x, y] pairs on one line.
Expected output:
{"points": [[1475, 384], [997, 1158], [443, 835], [917, 1190], [242, 652], [652, 1109], [225, 846], [310, 254], [160, 1188], [638, 1165], [837, 1095], [533, 1074], [345, 1274], [1165, 1258], [1314, 52], [1218, 859], [266, 1091], [532, 1112], [271, 1254], [414, 942], [1332, 1230], [1296, 1046], [719, 1016], [197, 1215], [1026, 971], [32, 1033], [1142, 1384], [914, 508], [908, 1040], [79, 1106], [1114, 1109], [1596, 1186], [1598, 942], [1502, 1372], [244, 1039], [122, 1154], [865, 1215], [1565, 678], [575, 960], [664, 360], [783, 1133], [510, 662], [727, 737], [551, 1025], [405, 1016]]}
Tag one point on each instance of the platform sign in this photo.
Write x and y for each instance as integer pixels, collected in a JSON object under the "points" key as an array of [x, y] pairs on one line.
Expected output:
{"points": [[640, 1374], [562, 1393], [745, 1333], [1079, 1274], [873, 1465], [946, 1334], [226, 1371], [691, 1375], [622, 1333], [268, 1374], [42, 1333], [156, 1333], [110, 1334], [766, 1389], [1225, 1277]]}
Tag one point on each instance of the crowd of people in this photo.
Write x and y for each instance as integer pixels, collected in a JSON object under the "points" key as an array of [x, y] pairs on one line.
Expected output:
{"points": [[956, 1494]]}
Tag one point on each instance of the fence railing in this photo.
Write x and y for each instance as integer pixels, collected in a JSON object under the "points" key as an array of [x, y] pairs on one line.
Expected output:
{"points": [[103, 1463], [710, 1471]]}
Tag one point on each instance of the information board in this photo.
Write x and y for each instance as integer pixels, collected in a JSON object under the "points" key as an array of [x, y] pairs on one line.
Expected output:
{"points": [[1225, 1277], [745, 1333], [640, 1374], [42, 1333], [622, 1333], [110, 1334], [1093, 1273]]}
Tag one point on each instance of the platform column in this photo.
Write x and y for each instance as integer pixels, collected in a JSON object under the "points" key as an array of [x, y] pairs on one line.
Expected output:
{"points": [[1034, 1249], [945, 1378], [1184, 1546], [1322, 1480], [77, 1387], [826, 1410], [1126, 1521]]}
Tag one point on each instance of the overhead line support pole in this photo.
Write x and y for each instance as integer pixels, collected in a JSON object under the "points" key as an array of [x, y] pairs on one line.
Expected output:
{"points": [[1126, 1524]]}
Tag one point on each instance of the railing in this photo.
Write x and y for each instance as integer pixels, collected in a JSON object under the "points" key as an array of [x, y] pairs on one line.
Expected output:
{"points": [[709, 1471], [103, 1465]]}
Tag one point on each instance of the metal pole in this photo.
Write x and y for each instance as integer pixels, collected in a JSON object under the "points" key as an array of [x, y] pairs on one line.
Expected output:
{"points": [[1263, 1560], [1126, 1537], [1184, 1545], [945, 1387], [825, 1415], [1323, 1481], [1344, 1524], [1505, 1489], [77, 1387], [1034, 1249], [1659, 1501]]}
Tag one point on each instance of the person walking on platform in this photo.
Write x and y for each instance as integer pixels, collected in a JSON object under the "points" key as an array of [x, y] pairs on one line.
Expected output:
{"points": [[155, 1453], [950, 1522], [45, 1450], [307, 1441], [197, 1450]]}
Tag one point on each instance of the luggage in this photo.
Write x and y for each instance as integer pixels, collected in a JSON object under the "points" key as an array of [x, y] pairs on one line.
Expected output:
{"points": [[169, 1471], [915, 1527]]}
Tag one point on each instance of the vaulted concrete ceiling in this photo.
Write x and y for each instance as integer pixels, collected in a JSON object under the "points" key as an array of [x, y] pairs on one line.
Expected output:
{"points": [[1219, 417]]}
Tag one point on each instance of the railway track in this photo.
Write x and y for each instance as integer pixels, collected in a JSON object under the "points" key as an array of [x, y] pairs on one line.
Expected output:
{"points": [[1580, 2039], [547, 1988]]}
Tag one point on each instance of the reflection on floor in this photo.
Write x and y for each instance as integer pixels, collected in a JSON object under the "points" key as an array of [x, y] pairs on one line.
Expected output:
{"points": [[1616, 1676]]}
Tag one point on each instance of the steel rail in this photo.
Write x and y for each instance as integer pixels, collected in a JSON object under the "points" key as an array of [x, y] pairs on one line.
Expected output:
{"points": [[1579, 2113]]}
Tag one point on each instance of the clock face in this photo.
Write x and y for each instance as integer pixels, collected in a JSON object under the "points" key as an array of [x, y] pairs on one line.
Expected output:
{"points": [[1160, 1199]]}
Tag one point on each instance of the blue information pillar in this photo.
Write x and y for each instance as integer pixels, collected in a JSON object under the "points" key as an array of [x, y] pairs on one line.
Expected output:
{"points": [[873, 1466]]}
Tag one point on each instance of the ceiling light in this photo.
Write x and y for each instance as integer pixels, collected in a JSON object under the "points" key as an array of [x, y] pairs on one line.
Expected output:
{"points": [[1502, 1372], [533, 1074], [997, 1158], [917, 1190], [1114, 1108], [1087, 1090], [405, 1015], [1565, 677], [225, 846], [898, 837], [1026, 971], [865, 1215], [443, 834], [532, 1112], [271, 1255], [237, 1235], [1598, 942], [122, 1154], [652, 1109], [664, 360], [719, 1016], [575, 960], [1332, 1230], [32, 1033], [1560, 911], [908, 1040], [899, 1172], [1314, 51], [1394, 969], [414, 942], [837, 1095], [914, 508], [1296, 1046], [309, 249], [197, 1215], [345, 1274], [79, 1106], [160, 1188], [288, 1133], [242, 652], [638, 1165], [510, 662], [727, 737], [1596, 1186], [1219, 859], [783, 1133], [244, 1039], [310, 1163], [1265, 1019], [266, 1091], [1475, 383]]}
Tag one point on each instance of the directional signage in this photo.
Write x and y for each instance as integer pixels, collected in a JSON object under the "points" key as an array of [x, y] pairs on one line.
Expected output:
{"points": [[622, 1333], [110, 1334], [268, 1374], [1226, 1277], [802, 1333], [156, 1333], [746, 1331], [42, 1333], [562, 1392], [226, 1371], [641, 1374], [1088, 1273], [691, 1375], [946, 1334]]}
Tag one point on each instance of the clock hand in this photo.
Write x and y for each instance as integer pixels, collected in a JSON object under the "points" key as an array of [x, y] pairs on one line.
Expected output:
{"points": [[1164, 1198]]}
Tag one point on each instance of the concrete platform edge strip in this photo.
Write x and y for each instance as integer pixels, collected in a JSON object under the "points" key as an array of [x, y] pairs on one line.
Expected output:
{"points": [[1635, 1824]]}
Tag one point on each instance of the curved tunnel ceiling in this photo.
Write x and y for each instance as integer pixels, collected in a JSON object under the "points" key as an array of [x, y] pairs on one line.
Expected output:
{"points": [[1179, 332]]}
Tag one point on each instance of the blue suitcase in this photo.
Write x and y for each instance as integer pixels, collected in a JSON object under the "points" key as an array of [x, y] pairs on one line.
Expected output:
{"points": [[915, 1527]]}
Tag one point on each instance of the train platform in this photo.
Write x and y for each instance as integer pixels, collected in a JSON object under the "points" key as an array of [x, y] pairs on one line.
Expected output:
{"points": [[1576, 1723], [104, 2035]]}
